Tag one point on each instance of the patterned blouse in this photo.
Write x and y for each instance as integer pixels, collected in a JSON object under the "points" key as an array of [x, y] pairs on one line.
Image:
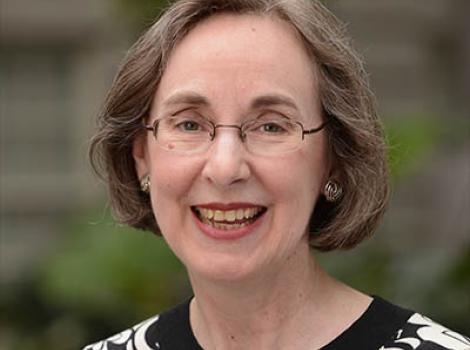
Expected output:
{"points": [[383, 326]]}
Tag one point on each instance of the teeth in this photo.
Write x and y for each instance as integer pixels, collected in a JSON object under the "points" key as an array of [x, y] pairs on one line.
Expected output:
{"points": [[226, 227], [228, 216], [249, 213], [219, 215]]}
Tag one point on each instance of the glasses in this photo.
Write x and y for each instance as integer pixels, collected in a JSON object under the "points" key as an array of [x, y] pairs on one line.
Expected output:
{"points": [[264, 136]]}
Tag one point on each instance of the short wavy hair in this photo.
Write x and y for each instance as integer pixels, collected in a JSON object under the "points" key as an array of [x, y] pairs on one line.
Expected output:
{"points": [[355, 134]]}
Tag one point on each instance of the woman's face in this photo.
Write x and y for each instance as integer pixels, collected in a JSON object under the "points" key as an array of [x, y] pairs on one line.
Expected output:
{"points": [[227, 69]]}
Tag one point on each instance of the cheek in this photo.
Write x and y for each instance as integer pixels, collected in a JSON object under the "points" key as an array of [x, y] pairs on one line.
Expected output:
{"points": [[171, 180], [295, 183], [297, 175]]}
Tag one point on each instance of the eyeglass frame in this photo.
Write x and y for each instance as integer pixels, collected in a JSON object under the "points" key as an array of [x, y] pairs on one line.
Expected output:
{"points": [[154, 128]]}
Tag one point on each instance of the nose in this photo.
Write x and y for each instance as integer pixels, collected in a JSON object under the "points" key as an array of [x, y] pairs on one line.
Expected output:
{"points": [[226, 162]]}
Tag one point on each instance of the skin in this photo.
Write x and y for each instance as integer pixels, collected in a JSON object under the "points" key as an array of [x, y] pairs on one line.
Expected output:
{"points": [[263, 290]]}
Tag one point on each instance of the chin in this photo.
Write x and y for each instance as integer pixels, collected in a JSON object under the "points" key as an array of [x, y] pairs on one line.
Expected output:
{"points": [[223, 268]]}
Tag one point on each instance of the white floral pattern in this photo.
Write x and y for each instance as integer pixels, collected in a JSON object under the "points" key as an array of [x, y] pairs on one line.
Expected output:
{"points": [[420, 332], [131, 339]]}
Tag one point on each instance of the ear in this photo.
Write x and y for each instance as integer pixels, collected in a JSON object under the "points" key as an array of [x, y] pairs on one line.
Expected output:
{"points": [[139, 153]]}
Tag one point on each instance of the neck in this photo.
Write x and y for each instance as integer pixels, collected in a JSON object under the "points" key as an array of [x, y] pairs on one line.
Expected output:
{"points": [[275, 310]]}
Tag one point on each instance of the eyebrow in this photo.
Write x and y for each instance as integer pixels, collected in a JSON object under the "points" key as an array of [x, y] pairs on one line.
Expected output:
{"points": [[263, 101], [273, 100], [186, 97]]}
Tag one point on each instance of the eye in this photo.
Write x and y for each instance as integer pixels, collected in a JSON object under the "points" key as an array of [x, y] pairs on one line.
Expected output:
{"points": [[188, 125], [272, 128]]}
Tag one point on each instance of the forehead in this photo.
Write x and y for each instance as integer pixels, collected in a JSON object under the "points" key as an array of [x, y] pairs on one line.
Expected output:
{"points": [[240, 56]]}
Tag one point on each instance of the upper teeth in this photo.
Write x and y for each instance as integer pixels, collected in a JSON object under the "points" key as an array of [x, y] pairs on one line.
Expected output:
{"points": [[229, 215]]}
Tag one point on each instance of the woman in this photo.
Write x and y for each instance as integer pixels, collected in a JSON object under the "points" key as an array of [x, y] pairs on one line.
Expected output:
{"points": [[245, 133]]}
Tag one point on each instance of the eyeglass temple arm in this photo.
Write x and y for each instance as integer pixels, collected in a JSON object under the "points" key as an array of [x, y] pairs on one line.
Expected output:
{"points": [[149, 127], [314, 130]]}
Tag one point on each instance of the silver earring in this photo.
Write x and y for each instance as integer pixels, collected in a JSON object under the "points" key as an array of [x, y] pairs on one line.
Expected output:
{"points": [[332, 191], [145, 183]]}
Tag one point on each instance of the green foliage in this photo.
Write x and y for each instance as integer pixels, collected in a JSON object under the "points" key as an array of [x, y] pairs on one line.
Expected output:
{"points": [[112, 269], [140, 13], [366, 268], [410, 141], [108, 277], [452, 292]]}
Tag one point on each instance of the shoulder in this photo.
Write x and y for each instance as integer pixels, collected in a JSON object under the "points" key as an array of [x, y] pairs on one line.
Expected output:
{"points": [[150, 334], [386, 326], [421, 333]]}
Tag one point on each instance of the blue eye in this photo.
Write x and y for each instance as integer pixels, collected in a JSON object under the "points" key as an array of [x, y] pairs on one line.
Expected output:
{"points": [[272, 128], [188, 125]]}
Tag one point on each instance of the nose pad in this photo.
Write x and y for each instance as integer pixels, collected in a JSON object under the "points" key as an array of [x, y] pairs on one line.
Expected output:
{"points": [[226, 158]]}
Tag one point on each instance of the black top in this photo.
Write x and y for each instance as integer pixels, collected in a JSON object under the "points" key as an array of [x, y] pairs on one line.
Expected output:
{"points": [[382, 326]]}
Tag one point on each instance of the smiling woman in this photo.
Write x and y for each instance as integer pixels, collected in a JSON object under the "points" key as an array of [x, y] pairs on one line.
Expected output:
{"points": [[244, 132]]}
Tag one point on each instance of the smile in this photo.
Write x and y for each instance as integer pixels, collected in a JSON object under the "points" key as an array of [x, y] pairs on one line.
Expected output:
{"points": [[229, 219]]}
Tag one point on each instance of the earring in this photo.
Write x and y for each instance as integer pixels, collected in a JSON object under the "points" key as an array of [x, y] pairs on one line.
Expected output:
{"points": [[332, 191], [145, 183]]}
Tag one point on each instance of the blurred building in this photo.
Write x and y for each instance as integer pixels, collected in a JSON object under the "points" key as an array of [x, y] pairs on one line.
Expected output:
{"points": [[417, 54], [57, 59], [59, 56]]}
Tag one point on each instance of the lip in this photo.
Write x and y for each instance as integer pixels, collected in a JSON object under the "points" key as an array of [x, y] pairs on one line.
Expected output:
{"points": [[219, 234], [227, 206]]}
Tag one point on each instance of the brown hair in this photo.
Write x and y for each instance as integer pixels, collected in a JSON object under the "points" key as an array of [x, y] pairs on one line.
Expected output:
{"points": [[354, 132]]}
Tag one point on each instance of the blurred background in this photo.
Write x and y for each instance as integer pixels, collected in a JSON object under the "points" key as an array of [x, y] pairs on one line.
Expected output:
{"points": [[69, 275]]}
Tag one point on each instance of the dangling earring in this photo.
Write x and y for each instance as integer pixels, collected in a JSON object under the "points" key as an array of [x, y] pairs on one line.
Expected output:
{"points": [[332, 191], [145, 183]]}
